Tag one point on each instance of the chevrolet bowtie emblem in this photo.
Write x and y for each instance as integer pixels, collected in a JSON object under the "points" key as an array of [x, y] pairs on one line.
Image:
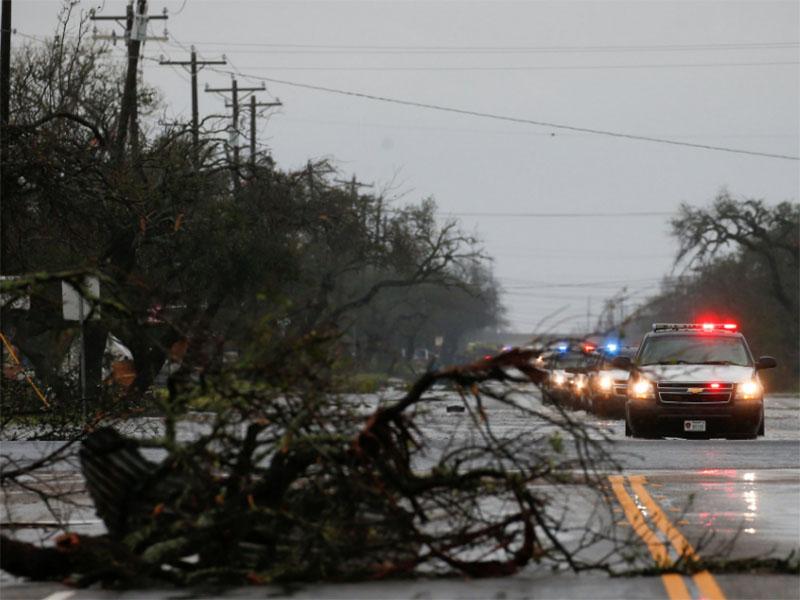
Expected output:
{"points": [[695, 390]]}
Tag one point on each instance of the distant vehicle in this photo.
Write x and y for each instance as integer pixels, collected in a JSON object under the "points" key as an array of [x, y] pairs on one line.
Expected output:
{"points": [[694, 380], [566, 380], [607, 386]]}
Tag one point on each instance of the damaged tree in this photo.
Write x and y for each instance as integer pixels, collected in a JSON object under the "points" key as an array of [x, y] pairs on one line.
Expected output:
{"points": [[292, 483]]}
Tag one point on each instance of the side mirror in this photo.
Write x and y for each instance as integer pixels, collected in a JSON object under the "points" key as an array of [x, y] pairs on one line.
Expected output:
{"points": [[622, 362], [766, 362]]}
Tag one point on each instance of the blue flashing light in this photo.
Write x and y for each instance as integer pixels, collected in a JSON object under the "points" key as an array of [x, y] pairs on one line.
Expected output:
{"points": [[562, 347], [612, 347]]}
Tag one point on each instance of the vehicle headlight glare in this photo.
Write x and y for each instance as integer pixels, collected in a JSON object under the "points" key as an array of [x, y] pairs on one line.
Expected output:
{"points": [[748, 390], [606, 382], [558, 379], [579, 383], [642, 389]]}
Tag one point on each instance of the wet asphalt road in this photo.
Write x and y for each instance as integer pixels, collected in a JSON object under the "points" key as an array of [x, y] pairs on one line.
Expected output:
{"points": [[708, 493]]}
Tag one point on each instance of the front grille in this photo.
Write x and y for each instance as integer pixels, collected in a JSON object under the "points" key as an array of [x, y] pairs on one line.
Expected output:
{"points": [[694, 393], [621, 387]]}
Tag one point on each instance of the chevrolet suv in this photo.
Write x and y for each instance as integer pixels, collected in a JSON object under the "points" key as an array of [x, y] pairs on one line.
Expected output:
{"points": [[694, 380]]}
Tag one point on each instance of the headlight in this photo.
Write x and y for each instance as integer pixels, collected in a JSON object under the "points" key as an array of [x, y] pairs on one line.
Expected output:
{"points": [[642, 388], [558, 378], [579, 382], [606, 382], [748, 390]]}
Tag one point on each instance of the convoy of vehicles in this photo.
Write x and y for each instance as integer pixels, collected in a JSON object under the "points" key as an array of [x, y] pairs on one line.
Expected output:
{"points": [[684, 379], [607, 384], [566, 382]]}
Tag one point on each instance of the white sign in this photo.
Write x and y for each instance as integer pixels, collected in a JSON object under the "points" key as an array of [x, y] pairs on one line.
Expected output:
{"points": [[75, 306], [139, 29]]}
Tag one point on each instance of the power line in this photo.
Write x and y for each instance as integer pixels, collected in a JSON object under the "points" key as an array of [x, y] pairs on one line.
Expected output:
{"points": [[575, 215], [444, 49], [529, 68], [485, 115], [506, 118]]}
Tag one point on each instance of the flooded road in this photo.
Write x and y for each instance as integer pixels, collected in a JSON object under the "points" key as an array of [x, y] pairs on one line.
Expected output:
{"points": [[723, 498]]}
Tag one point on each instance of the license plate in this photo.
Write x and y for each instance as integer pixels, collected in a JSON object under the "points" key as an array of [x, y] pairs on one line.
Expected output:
{"points": [[694, 425]]}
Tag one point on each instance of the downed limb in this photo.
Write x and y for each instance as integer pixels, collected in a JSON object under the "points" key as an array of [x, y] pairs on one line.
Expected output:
{"points": [[291, 484]]}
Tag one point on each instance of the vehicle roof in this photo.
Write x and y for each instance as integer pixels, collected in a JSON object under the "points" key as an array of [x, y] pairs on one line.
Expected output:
{"points": [[699, 332]]}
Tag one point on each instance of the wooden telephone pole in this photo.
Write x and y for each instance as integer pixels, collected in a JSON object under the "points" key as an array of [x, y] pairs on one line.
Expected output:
{"points": [[136, 20], [194, 66], [5, 90], [253, 113], [234, 92]]}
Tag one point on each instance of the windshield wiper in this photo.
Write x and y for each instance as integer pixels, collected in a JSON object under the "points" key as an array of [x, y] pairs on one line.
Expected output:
{"points": [[668, 362], [720, 362]]}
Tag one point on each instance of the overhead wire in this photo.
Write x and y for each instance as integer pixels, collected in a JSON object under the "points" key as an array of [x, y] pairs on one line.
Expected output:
{"points": [[557, 215], [494, 116], [525, 68], [292, 48], [499, 117]]}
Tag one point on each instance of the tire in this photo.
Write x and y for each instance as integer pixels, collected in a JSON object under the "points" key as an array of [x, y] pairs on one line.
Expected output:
{"points": [[761, 427], [628, 430]]}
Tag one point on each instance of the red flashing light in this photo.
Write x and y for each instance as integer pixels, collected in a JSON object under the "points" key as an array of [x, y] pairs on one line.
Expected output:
{"points": [[589, 347], [714, 386], [708, 327], [730, 326]]}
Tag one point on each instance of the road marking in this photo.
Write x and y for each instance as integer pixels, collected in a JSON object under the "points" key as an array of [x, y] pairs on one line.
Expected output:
{"points": [[65, 595], [704, 580], [673, 583]]}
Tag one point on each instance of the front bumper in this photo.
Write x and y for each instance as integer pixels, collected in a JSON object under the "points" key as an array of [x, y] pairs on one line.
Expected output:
{"points": [[652, 418], [560, 393], [610, 403]]}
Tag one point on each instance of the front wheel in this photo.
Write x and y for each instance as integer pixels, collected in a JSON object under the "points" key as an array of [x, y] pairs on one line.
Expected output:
{"points": [[628, 430], [761, 427]]}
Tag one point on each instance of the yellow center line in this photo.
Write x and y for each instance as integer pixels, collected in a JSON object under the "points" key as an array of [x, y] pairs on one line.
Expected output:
{"points": [[704, 580], [673, 583]]}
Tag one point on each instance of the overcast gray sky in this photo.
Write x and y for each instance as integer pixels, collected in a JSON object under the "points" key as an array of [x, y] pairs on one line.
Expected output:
{"points": [[720, 73]]}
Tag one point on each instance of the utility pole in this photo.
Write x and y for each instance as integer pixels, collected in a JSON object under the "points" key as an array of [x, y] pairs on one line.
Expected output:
{"points": [[253, 106], [354, 184], [194, 66], [5, 62], [589, 314], [5, 89], [136, 20], [234, 91]]}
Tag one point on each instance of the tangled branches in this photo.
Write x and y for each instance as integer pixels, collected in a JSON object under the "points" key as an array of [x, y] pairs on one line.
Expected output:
{"points": [[290, 483]]}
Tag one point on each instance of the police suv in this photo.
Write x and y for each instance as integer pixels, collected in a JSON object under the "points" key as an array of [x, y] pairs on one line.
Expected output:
{"points": [[694, 380]]}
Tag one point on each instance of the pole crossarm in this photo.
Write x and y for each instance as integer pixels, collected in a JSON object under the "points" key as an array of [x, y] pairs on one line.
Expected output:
{"points": [[194, 66]]}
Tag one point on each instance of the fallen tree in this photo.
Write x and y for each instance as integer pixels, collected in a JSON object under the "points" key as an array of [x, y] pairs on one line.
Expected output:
{"points": [[292, 481]]}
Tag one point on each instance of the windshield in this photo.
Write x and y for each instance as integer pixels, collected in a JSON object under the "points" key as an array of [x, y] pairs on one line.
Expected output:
{"points": [[694, 350], [569, 361]]}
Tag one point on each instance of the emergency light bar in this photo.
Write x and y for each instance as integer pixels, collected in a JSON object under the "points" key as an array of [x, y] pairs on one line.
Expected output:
{"points": [[695, 326]]}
